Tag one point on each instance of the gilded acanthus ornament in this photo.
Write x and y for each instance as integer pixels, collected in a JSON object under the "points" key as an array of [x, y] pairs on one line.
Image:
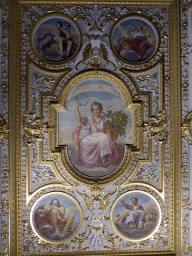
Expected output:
{"points": [[187, 128], [157, 126], [34, 128], [95, 18], [95, 57]]}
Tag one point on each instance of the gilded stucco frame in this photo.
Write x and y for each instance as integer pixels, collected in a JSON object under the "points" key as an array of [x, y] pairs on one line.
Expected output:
{"points": [[148, 60], [15, 120], [57, 63], [62, 152]]}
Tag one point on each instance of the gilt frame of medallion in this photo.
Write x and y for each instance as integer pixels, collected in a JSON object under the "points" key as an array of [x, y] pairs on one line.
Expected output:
{"points": [[19, 180]]}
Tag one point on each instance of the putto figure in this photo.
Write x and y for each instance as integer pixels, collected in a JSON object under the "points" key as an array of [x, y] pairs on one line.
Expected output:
{"points": [[97, 148], [96, 207]]}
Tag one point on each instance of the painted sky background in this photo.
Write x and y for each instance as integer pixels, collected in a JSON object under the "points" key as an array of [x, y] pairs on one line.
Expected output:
{"points": [[143, 200], [63, 201]]}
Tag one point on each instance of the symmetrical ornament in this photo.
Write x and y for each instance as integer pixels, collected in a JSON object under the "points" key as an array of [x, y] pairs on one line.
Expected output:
{"points": [[96, 207], [95, 128]]}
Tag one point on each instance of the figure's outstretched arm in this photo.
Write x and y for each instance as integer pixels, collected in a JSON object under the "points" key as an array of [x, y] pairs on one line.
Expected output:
{"points": [[79, 118]]}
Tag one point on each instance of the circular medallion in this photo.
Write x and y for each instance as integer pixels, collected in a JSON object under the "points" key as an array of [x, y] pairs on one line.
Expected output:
{"points": [[56, 217], [56, 38], [135, 215], [134, 39]]}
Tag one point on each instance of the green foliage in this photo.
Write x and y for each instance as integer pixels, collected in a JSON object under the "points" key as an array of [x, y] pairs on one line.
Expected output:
{"points": [[117, 120]]}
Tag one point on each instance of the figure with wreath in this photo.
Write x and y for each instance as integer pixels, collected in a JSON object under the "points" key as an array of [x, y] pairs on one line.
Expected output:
{"points": [[98, 148]]}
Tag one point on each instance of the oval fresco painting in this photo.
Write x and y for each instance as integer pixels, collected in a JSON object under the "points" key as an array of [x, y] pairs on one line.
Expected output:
{"points": [[134, 39], [56, 217], [135, 216], [56, 39], [96, 127]]}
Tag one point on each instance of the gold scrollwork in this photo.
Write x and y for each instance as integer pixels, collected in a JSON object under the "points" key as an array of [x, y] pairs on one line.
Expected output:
{"points": [[4, 253], [112, 240], [33, 128], [186, 128], [4, 129], [79, 241], [157, 126], [187, 248], [95, 55], [105, 201]]}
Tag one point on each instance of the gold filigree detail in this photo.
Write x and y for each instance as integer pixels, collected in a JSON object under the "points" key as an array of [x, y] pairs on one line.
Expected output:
{"points": [[34, 128], [185, 7], [95, 55], [45, 246], [187, 128], [80, 241], [28, 244], [145, 173], [112, 240], [4, 129], [105, 201], [96, 228], [4, 252], [47, 175], [96, 190], [63, 247], [85, 54], [187, 248], [157, 126], [105, 55]]}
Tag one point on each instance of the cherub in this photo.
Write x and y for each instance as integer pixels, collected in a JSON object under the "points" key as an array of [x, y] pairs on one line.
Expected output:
{"points": [[95, 208]]}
